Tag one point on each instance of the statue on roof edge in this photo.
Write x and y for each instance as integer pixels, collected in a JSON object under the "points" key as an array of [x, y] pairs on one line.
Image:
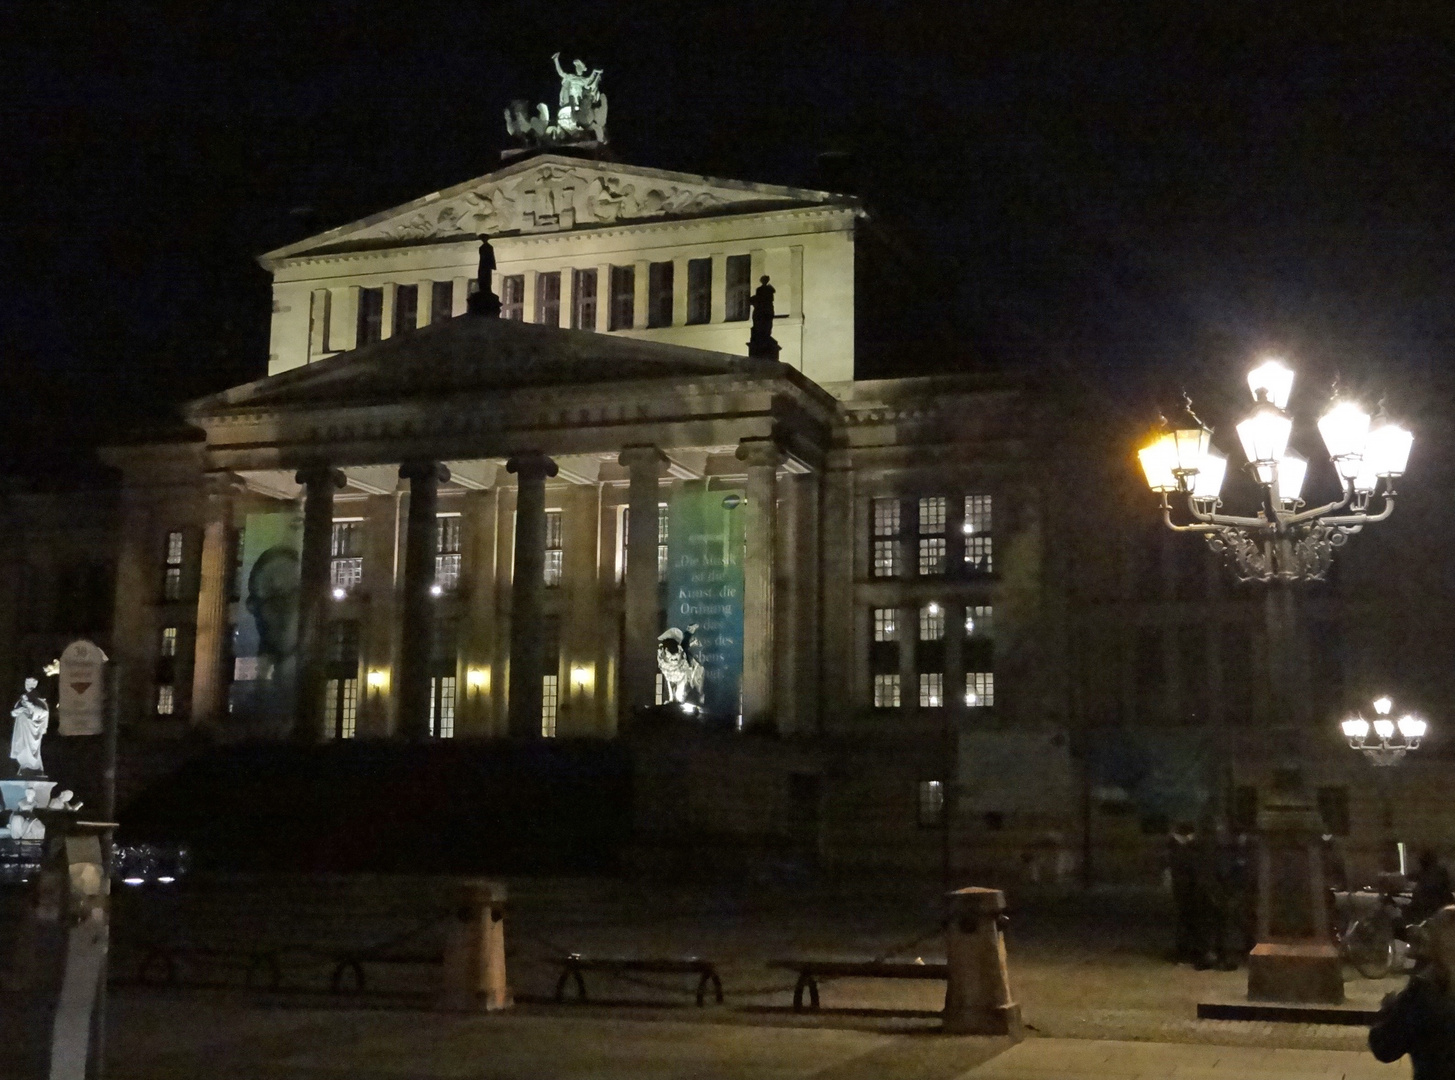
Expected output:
{"points": [[580, 113]]}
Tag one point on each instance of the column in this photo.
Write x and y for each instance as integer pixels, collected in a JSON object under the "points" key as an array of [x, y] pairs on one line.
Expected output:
{"points": [[786, 661], [528, 593], [639, 661], [417, 636], [763, 458], [209, 681], [319, 483]]}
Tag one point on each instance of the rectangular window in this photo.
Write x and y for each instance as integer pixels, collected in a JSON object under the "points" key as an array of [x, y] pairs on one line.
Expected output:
{"points": [[978, 534], [980, 689], [550, 701], [932, 623], [979, 620], [447, 552], [886, 537], [659, 294], [699, 290], [371, 316], [512, 297], [886, 691], [931, 803], [442, 706], [1334, 809], [406, 308], [554, 554], [548, 298], [166, 701], [662, 526], [583, 300], [169, 641], [623, 297], [932, 535], [346, 563], [931, 689], [172, 577], [320, 312], [341, 708], [661, 698], [441, 301], [884, 624], [739, 286]]}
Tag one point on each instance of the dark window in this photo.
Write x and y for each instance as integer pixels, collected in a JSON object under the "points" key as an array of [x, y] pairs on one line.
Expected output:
{"points": [[1192, 665], [1151, 678], [406, 308], [623, 297], [548, 298], [739, 286], [319, 313], [83, 598], [343, 648], [442, 301], [1245, 809], [931, 810], [371, 316], [1236, 663], [1334, 809], [583, 300], [659, 294], [512, 297], [699, 290]]}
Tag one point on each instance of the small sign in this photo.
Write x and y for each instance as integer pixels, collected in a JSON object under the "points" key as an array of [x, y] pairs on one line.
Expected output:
{"points": [[83, 689]]}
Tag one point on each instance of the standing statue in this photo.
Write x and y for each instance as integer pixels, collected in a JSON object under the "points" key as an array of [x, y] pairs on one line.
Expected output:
{"points": [[761, 342], [683, 672], [32, 716], [580, 111]]}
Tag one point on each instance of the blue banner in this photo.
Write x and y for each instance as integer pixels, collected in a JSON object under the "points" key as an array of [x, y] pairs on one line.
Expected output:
{"points": [[705, 590]]}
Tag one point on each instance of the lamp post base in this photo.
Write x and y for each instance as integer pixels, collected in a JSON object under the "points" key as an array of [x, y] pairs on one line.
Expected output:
{"points": [[1304, 973]]}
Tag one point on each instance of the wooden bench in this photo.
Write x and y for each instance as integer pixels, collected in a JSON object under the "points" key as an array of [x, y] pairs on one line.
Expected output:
{"points": [[810, 971], [575, 965], [254, 962]]}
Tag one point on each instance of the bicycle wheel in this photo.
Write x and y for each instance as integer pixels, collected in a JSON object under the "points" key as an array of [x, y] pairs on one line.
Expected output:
{"points": [[1369, 944]]}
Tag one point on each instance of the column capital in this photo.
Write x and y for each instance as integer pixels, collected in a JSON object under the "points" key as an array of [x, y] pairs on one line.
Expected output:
{"points": [[422, 470], [644, 456], [221, 484], [761, 453], [531, 465], [320, 475]]}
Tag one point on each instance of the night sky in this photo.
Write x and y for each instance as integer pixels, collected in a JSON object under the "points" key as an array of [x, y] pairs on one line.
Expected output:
{"points": [[1121, 198]]}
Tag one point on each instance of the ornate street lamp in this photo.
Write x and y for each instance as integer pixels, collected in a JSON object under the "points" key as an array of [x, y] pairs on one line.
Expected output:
{"points": [[1282, 541], [1392, 739]]}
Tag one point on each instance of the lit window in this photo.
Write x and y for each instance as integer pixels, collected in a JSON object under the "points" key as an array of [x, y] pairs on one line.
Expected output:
{"points": [[172, 578], [980, 689], [583, 300], [931, 803], [662, 526], [978, 534], [550, 699], [980, 621], [346, 563], [512, 297], [886, 691], [554, 555], [931, 689], [699, 290], [886, 537], [623, 297], [169, 641], [661, 695], [932, 535], [442, 301], [884, 624], [341, 708], [371, 316], [442, 706], [406, 308], [447, 552], [931, 623], [548, 298], [165, 700], [659, 294], [739, 286]]}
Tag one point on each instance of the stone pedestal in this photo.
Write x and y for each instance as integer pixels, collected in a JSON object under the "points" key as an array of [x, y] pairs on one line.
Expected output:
{"points": [[977, 983], [474, 970], [1304, 973]]}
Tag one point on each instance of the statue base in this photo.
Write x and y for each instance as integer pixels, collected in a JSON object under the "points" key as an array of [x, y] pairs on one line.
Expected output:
{"points": [[1305, 973], [14, 791]]}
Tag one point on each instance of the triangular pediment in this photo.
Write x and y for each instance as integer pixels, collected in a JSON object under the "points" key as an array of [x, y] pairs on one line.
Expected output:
{"points": [[553, 193], [473, 355]]}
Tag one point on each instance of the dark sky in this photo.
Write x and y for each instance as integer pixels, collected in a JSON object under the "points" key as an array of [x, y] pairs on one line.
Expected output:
{"points": [[1164, 193]]}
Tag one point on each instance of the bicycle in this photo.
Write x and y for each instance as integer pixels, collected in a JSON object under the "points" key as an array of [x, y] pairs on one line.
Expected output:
{"points": [[1373, 922]]}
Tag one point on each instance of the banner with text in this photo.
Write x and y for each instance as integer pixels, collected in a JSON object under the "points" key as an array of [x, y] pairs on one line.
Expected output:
{"points": [[705, 589]]}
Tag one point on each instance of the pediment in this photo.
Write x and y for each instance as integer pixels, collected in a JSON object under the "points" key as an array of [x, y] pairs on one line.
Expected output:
{"points": [[473, 355], [553, 193]]}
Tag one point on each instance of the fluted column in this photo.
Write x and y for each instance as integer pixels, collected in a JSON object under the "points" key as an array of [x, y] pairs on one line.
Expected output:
{"points": [[417, 632], [763, 458], [209, 681], [319, 483], [528, 593], [639, 660]]}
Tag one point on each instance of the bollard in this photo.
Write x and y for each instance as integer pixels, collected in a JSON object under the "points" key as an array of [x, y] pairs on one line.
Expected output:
{"points": [[977, 986], [474, 975]]}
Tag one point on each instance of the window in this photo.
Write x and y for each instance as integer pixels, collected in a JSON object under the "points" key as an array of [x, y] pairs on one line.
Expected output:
{"points": [[583, 300], [932, 535], [662, 526], [931, 689], [884, 624], [980, 689], [886, 537], [172, 576], [886, 691], [699, 290], [371, 316], [548, 298], [554, 555], [346, 563], [441, 301], [341, 688], [932, 622], [320, 313], [1334, 810], [168, 645], [978, 534], [739, 286], [406, 308], [447, 552], [442, 707], [512, 297], [550, 702], [659, 294], [166, 701], [931, 803], [623, 297], [979, 620]]}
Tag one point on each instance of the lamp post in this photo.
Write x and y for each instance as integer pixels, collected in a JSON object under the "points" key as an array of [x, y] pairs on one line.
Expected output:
{"points": [[1384, 742], [1282, 542]]}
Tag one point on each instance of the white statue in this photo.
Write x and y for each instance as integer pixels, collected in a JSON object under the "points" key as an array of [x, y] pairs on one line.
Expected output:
{"points": [[682, 671], [23, 824], [580, 112], [32, 716]]}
